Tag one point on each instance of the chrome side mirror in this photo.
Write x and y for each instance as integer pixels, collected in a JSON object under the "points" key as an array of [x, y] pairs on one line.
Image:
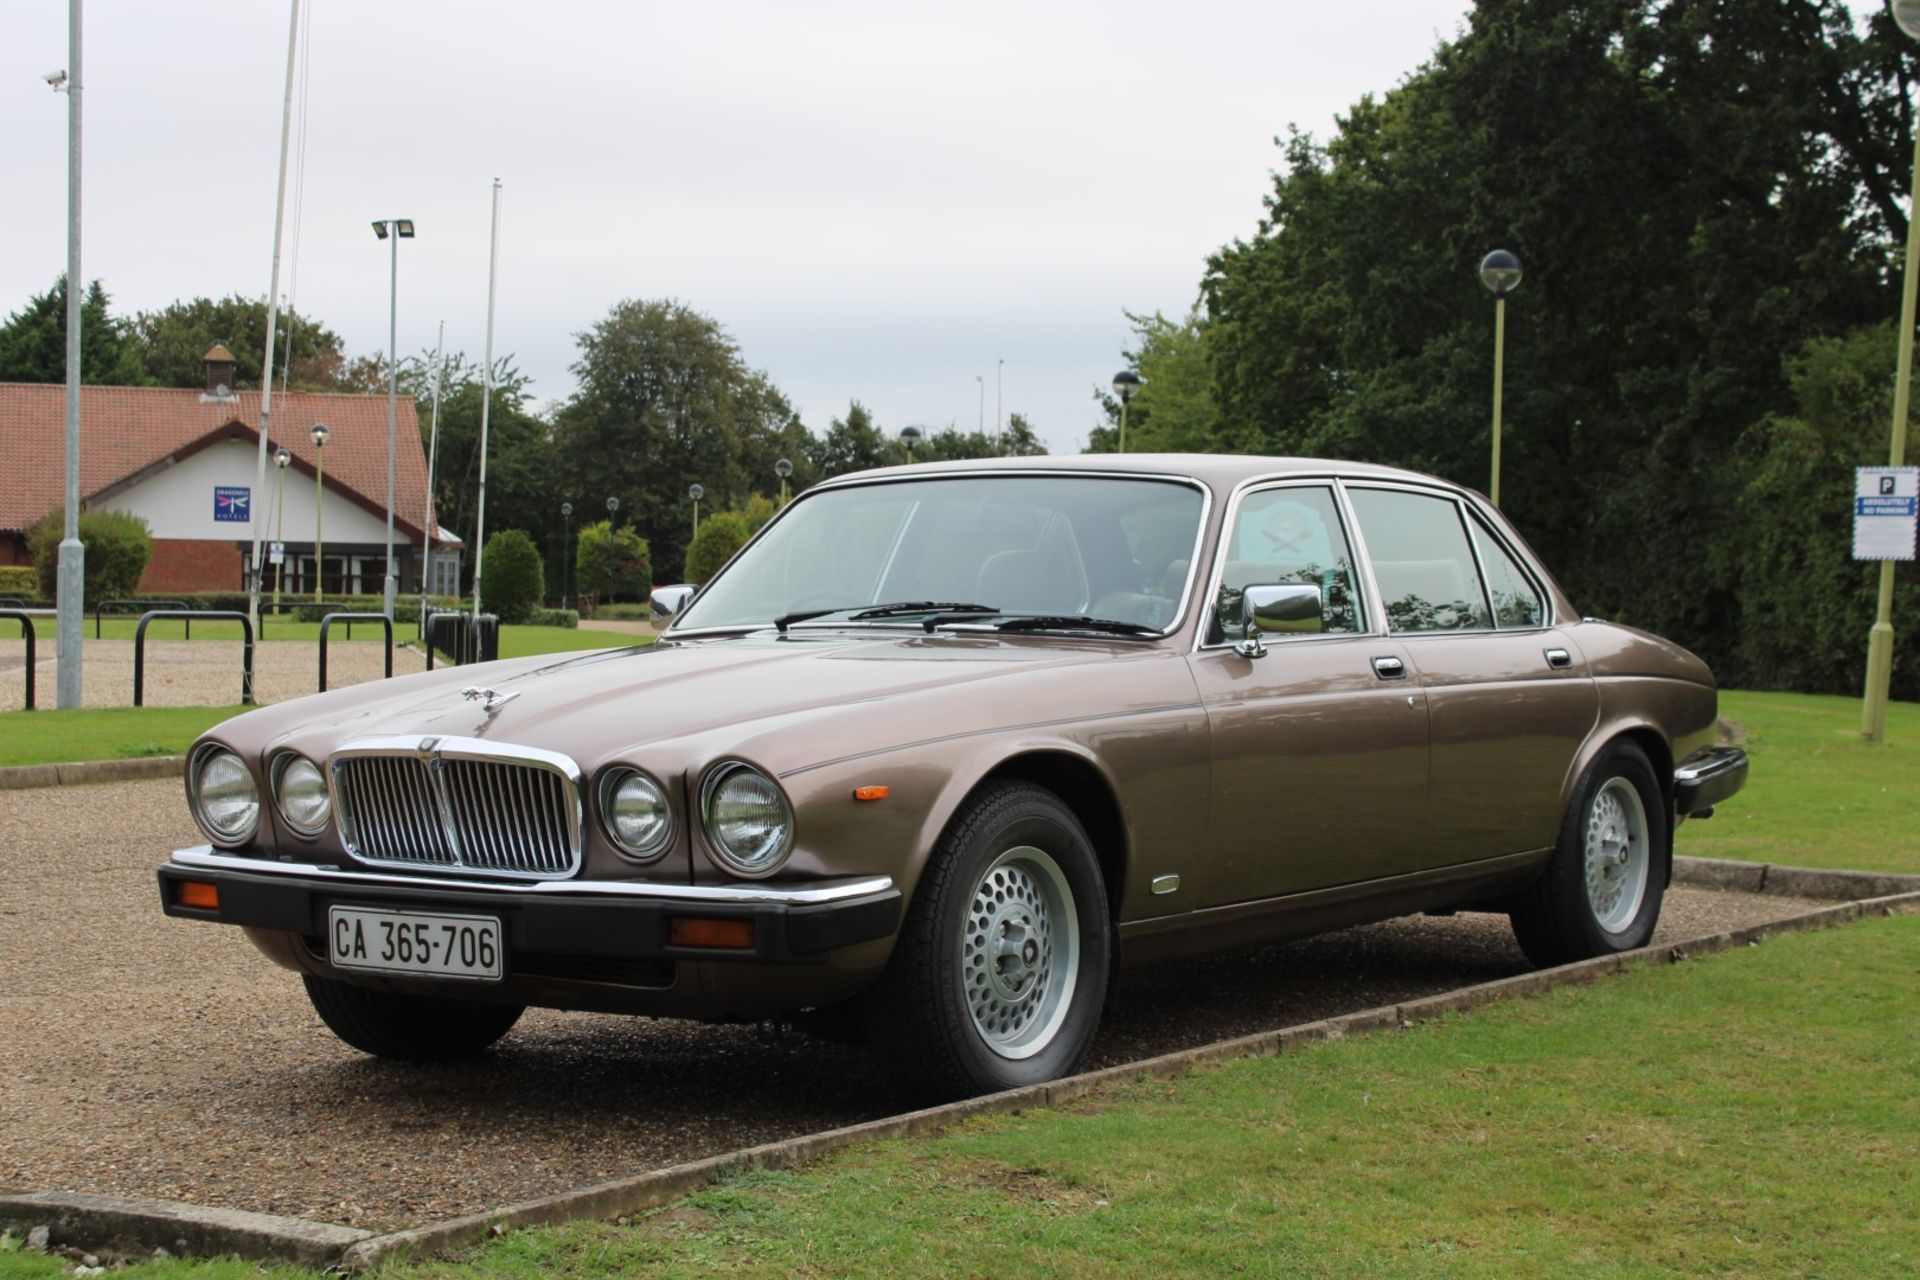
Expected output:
{"points": [[1286, 609]]}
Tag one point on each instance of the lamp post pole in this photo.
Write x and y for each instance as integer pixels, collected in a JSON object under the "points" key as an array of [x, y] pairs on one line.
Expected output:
{"points": [[1500, 272], [999, 384], [783, 468], [696, 491], [394, 230], [280, 461], [566, 544], [980, 425], [319, 434], [72, 572], [1125, 384]]}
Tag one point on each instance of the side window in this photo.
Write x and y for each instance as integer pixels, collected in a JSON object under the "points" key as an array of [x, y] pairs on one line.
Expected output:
{"points": [[1515, 601], [1421, 561], [1290, 536]]}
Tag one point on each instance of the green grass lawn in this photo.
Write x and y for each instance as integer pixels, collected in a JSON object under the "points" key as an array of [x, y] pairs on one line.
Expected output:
{"points": [[1749, 1114], [1818, 795], [103, 733]]}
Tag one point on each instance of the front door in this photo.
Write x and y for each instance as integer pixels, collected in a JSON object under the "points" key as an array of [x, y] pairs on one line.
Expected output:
{"points": [[1319, 746]]}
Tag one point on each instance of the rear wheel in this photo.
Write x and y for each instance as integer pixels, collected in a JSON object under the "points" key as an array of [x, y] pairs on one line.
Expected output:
{"points": [[409, 1028], [1001, 967], [1602, 890]]}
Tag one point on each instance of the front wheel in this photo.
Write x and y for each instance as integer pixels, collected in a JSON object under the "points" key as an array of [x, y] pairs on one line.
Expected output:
{"points": [[1601, 892], [1000, 970], [408, 1028]]}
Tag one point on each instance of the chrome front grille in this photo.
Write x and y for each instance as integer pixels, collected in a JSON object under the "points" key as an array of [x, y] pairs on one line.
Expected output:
{"points": [[459, 805]]}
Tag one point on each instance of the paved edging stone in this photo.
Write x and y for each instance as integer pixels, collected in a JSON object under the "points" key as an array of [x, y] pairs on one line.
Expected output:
{"points": [[98, 1222], [1797, 882], [20, 777], [650, 1190]]}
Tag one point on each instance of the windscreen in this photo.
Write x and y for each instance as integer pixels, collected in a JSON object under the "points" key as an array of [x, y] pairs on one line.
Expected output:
{"points": [[1038, 545]]}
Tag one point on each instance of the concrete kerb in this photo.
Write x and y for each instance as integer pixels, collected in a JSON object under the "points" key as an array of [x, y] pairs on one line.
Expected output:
{"points": [[1799, 882], [108, 1222], [25, 776]]}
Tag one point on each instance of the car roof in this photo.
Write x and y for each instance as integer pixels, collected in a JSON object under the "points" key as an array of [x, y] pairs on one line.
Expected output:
{"points": [[1219, 471]]}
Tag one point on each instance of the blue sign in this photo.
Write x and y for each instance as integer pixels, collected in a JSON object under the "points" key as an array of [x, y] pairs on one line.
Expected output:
{"points": [[233, 503], [1886, 506]]}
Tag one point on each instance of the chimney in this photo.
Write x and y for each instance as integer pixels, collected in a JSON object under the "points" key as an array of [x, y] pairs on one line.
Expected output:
{"points": [[219, 366]]}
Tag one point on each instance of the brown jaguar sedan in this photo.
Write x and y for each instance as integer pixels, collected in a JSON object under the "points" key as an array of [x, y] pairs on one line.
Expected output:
{"points": [[944, 745]]}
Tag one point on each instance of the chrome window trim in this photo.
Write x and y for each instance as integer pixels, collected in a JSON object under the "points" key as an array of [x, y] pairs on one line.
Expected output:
{"points": [[1187, 601], [206, 858], [434, 746], [1527, 572], [603, 790], [1460, 513], [1363, 578], [194, 761]]}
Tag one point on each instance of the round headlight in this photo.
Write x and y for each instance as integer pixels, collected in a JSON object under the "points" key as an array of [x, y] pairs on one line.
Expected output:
{"points": [[301, 791], [224, 798], [635, 812], [747, 818]]}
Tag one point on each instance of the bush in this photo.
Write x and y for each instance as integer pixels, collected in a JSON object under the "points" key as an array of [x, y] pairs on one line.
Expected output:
{"points": [[641, 612], [19, 580], [118, 545], [611, 564], [513, 579], [719, 537], [567, 618]]}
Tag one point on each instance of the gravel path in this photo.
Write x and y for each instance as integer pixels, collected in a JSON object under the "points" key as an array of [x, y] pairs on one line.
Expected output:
{"points": [[150, 1057], [202, 673]]}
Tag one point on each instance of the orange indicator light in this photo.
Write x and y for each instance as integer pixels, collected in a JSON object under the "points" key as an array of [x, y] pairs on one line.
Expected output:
{"points": [[197, 893], [688, 931], [872, 793]]}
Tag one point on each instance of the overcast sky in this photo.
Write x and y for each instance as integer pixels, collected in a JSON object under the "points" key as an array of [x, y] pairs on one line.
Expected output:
{"points": [[877, 200]]}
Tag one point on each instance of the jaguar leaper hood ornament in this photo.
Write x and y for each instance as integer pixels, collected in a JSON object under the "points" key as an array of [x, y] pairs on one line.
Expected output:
{"points": [[491, 700]]}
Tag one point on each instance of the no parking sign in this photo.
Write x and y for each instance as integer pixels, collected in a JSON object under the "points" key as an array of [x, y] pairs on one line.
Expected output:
{"points": [[1886, 512]]}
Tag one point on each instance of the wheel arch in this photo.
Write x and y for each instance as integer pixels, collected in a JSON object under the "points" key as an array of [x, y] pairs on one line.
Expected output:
{"points": [[1085, 789]]}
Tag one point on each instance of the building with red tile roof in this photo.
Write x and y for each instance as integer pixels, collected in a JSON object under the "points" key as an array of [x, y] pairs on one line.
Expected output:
{"points": [[185, 460]]}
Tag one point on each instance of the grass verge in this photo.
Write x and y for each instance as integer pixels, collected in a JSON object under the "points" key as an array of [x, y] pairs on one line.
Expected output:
{"points": [[1749, 1114], [103, 733], [1818, 795]]}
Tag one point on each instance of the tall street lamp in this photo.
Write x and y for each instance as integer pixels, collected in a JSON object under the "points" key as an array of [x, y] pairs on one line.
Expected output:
{"points": [[613, 512], [71, 576], [1500, 272], [280, 461], [999, 384], [319, 434], [566, 547], [909, 436], [980, 426], [1125, 384], [1873, 715], [783, 468], [696, 491], [392, 230]]}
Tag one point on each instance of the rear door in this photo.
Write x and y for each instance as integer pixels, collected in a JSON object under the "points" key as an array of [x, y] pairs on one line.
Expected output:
{"points": [[1509, 698]]}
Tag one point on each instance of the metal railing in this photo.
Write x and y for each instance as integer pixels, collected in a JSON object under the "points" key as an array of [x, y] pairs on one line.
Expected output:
{"points": [[477, 641], [26, 633], [326, 624], [185, 615], [12, 602], [138, 604]]}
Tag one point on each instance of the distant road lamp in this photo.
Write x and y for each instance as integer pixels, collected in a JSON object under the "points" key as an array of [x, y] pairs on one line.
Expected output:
{"points": [[319, 434], [910, 436], [1873, 714], [696, 491], [1125, 384], [566, 548], [613, 512], [981, 426], [783, 469], [393, 230], [1500, 272], [280, 461]]}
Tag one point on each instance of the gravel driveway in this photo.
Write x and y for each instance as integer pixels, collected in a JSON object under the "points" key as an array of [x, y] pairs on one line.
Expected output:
{"points": [[202, 673], [150, 1057]]}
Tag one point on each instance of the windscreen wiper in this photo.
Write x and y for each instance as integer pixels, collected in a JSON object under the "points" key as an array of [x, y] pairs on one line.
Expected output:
{"points": [[1065, 622], [883, 611]]}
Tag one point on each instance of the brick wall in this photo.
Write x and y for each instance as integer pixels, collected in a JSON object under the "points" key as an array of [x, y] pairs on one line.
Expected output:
{"points": [[181, 564]]}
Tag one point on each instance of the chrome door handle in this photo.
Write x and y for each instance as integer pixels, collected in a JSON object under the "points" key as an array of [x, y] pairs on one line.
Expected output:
{"points": [[1389, 668], [1559, 658]]}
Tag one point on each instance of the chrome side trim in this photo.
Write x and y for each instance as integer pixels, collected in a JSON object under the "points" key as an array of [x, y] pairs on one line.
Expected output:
{"points": [[205, 858]]}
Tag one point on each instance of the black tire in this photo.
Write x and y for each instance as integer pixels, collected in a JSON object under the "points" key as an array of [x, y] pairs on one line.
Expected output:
{"points": [[1556, 918], [920, 1017], [408, 1028]]}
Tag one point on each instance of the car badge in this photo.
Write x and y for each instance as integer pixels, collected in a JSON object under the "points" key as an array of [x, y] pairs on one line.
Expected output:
{"points": [[491, 700]]}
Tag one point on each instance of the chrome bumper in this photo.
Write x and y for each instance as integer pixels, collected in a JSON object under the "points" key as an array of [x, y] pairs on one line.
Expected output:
{"points": [[1708, 778]]}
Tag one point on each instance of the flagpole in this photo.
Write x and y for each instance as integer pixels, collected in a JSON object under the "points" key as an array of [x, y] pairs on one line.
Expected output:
{"points": [[273, 315], [433, 451], [486, 403]]}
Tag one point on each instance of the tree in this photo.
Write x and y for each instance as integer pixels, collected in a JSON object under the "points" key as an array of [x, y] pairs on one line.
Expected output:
{"points": [[721, 534], [118, 546], [1175, 410], [33, 341], [665, 401], [613, 564], [1647, 337], [171, 344], [512, 581], [854, 443]]}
